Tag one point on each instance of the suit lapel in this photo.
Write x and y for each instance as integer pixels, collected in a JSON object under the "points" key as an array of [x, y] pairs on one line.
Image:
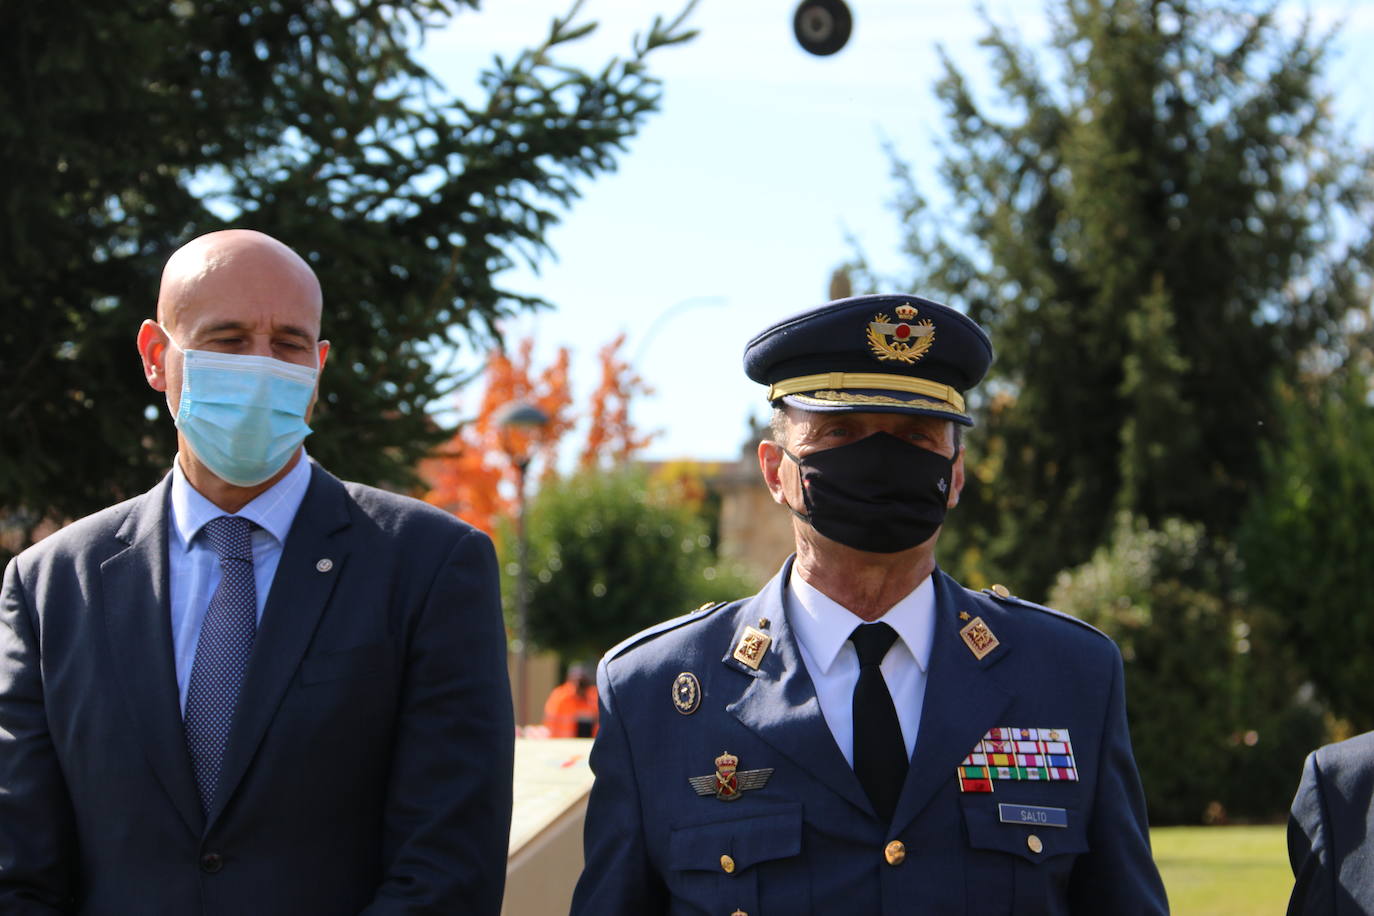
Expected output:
{"points": [[300, 591], [780, 704], [964, 697], [138, 625]]}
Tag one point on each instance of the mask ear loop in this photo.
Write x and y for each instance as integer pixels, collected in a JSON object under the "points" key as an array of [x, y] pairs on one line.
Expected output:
{"points": [[185, 376], [806, 517], [171, 341]]}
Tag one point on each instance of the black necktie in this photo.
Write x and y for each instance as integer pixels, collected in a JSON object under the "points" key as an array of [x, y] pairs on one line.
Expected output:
{"points": [[880, 759]]}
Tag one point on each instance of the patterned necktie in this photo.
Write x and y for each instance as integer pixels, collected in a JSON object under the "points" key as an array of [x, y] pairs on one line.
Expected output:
{"points": [[226, 640], [880, 759]]}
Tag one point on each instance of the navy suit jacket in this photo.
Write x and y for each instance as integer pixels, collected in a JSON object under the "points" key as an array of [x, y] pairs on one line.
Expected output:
{"points": [[808, 841], [1331, 831], [369, 766]]}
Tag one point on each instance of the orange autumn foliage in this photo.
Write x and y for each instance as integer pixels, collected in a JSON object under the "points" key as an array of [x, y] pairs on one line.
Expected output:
{"points": [[474, 474], [685, 480], [610, 435]]}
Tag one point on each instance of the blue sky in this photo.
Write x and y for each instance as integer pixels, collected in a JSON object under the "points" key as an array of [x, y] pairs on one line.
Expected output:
{"points": [[733, 205]]}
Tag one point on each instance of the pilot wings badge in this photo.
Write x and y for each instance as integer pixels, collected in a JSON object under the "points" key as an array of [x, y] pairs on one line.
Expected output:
{"points": [[903, 340], [729, 782]]}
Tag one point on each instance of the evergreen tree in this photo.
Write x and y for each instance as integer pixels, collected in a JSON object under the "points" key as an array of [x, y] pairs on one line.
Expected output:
{"points": [[127, 128], [1152, 221], [1307, 539]]}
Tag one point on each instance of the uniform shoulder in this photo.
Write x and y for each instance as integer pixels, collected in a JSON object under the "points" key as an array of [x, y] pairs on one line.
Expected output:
{"points": [[1002, 597], [683, 626]]}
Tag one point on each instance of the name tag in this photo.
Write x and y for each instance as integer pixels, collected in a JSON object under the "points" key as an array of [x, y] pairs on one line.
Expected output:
{"points": [[1033, 815]]}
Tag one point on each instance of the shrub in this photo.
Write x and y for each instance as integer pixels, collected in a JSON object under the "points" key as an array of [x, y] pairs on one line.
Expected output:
{"points": [[610, 555], [1217, 719]]}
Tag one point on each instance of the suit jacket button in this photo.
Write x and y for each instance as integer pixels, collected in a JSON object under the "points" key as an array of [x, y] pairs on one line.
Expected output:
{"points": [[895, 853], [211, 862], [727, 865]]}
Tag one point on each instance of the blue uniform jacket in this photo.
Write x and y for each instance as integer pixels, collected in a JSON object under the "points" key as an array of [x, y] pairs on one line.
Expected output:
{"points": [[808, 841]]}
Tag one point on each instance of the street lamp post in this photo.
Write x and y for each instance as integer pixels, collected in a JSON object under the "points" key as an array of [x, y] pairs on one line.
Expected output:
{"points": [[520, 416]]}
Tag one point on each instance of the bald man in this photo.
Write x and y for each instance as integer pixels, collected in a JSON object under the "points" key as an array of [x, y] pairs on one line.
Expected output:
{"points": [[253, 689]]}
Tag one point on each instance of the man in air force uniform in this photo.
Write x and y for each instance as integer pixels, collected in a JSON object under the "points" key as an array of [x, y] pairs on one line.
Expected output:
{"points": [[865, 735]]}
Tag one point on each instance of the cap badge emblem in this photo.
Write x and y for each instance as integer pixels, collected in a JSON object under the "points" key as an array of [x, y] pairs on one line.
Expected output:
{"points": [[900, 341], [686, 693], [729, 782]]}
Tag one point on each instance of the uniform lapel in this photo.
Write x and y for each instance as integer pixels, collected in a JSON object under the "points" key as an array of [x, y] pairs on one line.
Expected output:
{"points": [[138, 624], [300, 592], [780, 704], [965, 696]]}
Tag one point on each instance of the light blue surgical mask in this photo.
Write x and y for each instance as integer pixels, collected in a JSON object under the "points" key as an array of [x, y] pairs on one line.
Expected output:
{"points": [[244, 416]]}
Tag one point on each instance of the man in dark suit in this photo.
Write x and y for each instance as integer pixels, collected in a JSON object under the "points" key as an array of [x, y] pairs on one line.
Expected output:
{"points": [[254, 688], [1331, 831], [865, 735]]}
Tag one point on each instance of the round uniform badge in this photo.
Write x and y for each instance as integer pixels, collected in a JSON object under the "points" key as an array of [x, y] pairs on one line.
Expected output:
{"points": [[686, 693]]}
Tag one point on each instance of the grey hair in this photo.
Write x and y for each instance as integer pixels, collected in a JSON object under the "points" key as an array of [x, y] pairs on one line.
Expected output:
{"points": [[777, 424]]}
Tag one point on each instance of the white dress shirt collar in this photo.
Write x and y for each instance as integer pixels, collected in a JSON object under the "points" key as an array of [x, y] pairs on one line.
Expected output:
{"points": [[823, 625], [273, 510]]}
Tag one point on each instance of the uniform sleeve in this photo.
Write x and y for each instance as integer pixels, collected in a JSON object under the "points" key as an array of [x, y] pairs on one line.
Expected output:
{"points": [[448, 810], [617, 876], [37, 832], [1118, 875], [1309, 847]]}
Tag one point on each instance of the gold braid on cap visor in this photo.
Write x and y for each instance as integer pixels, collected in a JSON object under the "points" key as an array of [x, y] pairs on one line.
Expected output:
{"points": [[839, 381]]}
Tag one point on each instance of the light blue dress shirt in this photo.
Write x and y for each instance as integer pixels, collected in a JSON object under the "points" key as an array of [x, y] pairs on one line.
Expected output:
{"points": [[193, 567], [823, 627]]}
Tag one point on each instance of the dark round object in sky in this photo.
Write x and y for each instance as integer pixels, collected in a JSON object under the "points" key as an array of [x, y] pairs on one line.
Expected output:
{"points": [[822, 26]]}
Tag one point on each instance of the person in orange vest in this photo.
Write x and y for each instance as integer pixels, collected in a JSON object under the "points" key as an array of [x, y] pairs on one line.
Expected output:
{"points": [[570, 711]]}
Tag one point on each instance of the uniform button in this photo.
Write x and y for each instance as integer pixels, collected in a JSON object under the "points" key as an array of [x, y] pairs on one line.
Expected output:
{"points": [[1001, 591], [211, 862], [727, 865], [1033, 843], [895, 853]]}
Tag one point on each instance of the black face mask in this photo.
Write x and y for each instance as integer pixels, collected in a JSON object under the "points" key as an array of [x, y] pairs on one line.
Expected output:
{"points": [[879, 494]]}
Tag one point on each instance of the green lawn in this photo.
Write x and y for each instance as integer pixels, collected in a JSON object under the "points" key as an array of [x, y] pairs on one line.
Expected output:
{"points": [[1224, 871]]}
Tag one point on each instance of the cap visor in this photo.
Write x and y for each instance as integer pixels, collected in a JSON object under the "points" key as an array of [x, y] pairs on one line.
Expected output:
{"points": [[873, 401]]}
